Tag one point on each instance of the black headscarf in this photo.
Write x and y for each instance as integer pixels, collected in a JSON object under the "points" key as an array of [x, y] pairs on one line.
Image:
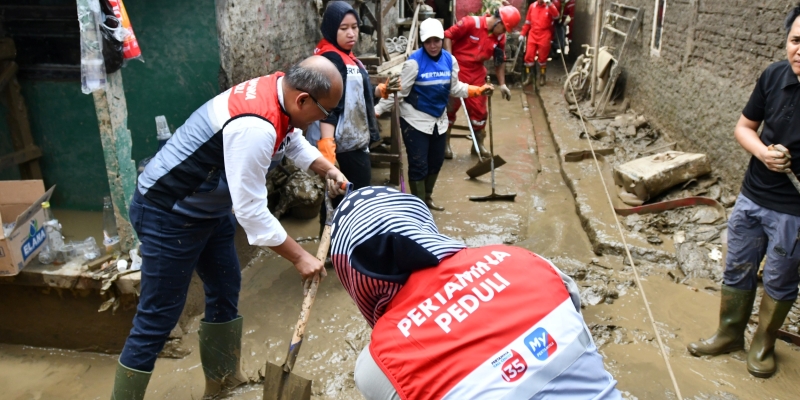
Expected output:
{"points": [[334, 14]]}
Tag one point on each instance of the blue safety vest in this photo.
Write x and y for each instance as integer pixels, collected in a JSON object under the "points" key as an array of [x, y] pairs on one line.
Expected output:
{"points": [[431, 90]]}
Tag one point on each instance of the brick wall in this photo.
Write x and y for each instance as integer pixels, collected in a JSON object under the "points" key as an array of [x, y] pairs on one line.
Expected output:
{"points": [[711, 56], [260, 37]]}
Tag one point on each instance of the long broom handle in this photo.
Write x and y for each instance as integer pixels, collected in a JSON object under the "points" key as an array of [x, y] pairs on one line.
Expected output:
{"points": [[472, 133], [491, 137]]}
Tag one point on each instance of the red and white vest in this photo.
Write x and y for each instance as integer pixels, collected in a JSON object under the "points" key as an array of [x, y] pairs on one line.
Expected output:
{"points": [[488, 323]]}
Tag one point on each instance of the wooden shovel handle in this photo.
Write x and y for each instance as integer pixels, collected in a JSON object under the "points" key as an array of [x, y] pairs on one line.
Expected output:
{"points": [[308, 301]]}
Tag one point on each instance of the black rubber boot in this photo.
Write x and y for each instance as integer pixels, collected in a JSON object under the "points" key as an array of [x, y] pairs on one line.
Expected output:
{"points": [[761, 357], [220, 354], [129, 384], [480, 136], [528, 77], [734, 311], [448, 151], [430, 182]]}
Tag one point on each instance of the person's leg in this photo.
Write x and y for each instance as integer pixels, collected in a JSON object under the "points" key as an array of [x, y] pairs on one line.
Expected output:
{"points": [[544, 52], [416, 144], [221, 328], [529, 60], [476, 107], [170, 245], [746, 246], [357, 168], [436, 144], [370, 379], [780, 281]]}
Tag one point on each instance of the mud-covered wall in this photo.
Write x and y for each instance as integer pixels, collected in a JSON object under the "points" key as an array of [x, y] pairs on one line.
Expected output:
{"points": [[258, 37], [712, 54]]}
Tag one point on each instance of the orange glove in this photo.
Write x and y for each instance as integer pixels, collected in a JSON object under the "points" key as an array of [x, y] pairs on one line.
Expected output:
{"points": [[477, 91], [383, 91], [327, 146]]}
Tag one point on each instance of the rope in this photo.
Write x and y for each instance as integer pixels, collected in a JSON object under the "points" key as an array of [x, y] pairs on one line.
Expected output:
{"points": [[619, 229]]}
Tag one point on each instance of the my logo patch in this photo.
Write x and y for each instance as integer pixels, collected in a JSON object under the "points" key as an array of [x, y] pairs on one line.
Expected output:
{"points": [[541, 344]]}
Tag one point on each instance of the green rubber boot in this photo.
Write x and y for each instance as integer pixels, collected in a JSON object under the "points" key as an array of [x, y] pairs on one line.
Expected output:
{"points": [[761, 357], [129, 384], [734, 311], [480, 136], [417, 188], [220, 354], [430, 182]]}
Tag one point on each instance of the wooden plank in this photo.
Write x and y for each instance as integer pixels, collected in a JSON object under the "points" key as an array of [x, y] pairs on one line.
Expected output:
{"points": [[384, 157], [20, 127], [19, 157], [387, 9], [412, 34], [397, 59], [369, 60], [7, 49], [112, 119], [8, 71]]}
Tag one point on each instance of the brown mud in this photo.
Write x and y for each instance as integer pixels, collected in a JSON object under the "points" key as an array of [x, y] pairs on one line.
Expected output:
{"points": [[544, 218]]}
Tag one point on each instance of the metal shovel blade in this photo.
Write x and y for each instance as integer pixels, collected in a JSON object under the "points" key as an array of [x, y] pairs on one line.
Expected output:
{"points": [[282, 385], [485, 166], [494, 197]]}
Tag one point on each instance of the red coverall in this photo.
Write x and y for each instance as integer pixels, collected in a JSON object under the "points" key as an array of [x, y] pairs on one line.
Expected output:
{"points": [[472, 46], [538, 29]]}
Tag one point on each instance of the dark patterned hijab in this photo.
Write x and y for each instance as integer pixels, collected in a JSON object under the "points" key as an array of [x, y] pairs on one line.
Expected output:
{"points": [[379, 236]]}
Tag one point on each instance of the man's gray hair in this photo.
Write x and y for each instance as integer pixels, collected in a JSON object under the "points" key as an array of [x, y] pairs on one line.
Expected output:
{"points": [[309, 80]]}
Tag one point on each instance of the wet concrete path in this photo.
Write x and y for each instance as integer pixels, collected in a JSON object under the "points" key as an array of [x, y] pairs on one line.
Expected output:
{"points": [[543, 219]]}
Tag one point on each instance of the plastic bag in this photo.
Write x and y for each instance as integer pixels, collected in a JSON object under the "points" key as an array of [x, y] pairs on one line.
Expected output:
{"points": [[130, 46], [113, 36]]}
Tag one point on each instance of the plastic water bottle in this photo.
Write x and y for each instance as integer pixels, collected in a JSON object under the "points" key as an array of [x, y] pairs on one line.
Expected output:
{"points": [[110, 234], [55, 241], [162, 131]]}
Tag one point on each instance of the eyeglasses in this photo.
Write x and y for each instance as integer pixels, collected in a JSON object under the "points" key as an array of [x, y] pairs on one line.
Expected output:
{"points": [[324, 111]]}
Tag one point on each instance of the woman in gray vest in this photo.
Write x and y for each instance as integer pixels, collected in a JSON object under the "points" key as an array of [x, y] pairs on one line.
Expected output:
{"points": [[428, 79]]}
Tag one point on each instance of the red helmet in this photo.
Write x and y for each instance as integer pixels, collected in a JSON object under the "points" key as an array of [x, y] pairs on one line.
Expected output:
{"points": [[510, 17]]}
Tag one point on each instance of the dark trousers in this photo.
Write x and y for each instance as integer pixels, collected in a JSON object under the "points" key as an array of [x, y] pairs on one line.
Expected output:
{"points": [[172, 247], [425, 152], [357, 168]]}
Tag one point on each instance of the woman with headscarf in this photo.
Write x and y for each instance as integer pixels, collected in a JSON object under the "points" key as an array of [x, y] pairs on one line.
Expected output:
{"points": [[344, 135], [495, 322]]}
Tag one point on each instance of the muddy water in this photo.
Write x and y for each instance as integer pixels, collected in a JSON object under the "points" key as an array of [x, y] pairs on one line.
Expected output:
{"points": [[542, 219]]}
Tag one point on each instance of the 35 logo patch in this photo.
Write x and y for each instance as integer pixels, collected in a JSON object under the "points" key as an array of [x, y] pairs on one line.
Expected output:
{"points": [[541, 344], [514, 367]]}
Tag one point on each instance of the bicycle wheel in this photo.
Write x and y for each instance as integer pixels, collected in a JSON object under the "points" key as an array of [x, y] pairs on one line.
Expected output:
{"points": [[578, 83]]}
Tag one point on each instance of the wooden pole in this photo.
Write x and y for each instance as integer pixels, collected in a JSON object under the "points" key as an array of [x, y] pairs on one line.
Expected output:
{"points": [[598, 26], [112, 119]]}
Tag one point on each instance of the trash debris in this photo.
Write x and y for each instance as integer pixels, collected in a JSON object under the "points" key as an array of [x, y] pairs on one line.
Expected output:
{"points": [[650, 176]]}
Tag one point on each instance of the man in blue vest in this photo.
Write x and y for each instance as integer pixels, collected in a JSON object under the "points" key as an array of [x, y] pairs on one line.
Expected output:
{"points": [[428, 79]]}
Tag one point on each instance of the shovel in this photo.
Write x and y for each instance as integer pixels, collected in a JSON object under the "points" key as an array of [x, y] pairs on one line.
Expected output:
{"points": [[483, 166], [279, 381], [494, 196]]}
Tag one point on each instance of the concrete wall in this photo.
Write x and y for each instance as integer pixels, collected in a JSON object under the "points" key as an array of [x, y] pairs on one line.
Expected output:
{"points": [[258, 37], [712, 54]]}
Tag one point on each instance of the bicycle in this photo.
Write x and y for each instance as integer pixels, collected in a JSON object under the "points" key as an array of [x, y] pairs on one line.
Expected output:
{"points": [[580, 74]]}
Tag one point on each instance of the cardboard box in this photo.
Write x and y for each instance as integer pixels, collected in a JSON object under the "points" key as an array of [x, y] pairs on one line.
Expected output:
{"points": [[21, 201]]}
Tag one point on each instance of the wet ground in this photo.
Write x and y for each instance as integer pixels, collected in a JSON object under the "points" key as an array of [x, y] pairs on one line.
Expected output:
{"points": [[544, 218]]}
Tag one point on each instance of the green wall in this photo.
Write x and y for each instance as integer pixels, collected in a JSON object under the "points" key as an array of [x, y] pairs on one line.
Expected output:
{"points": [[180, 73]]}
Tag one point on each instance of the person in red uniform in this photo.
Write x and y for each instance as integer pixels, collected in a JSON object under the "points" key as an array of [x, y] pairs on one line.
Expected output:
{"points": [[472, 41], [538, 30]]}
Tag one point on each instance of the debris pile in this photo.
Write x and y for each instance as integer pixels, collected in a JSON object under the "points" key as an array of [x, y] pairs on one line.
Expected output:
{"points": [[293, 190]]}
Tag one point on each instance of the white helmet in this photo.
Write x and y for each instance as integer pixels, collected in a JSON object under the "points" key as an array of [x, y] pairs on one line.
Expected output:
{"points": [[429, 28]]}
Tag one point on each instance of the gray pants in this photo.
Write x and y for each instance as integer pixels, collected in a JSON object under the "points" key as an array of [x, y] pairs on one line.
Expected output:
{"points": [[754, 231]]}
